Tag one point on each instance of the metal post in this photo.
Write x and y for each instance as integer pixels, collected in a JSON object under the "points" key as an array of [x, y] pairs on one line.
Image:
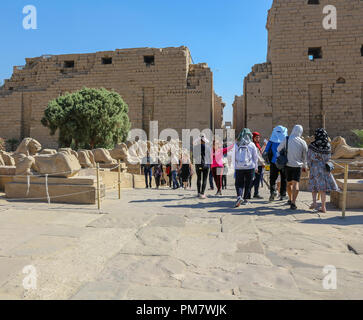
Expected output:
{"points": [[119, 179], [98, 187], [345, 190]]}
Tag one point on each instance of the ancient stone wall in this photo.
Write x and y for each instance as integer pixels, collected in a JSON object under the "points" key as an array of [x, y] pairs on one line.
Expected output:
{"points": [[238, 113], [258, 90], [311, 71], [157, 84], [305, 87], [219, 106]]}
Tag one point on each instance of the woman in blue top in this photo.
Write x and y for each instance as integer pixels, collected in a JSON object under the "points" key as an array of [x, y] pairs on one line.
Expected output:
{"points": [[278, 135]]}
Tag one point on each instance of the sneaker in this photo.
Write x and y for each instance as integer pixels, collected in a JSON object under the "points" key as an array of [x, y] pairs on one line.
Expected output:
{"points": [[272, 198], [245, 202], [238, 203], [282, 198], [257, 196], [289, 203], [219, 193], [293, 206], [202, 196]]}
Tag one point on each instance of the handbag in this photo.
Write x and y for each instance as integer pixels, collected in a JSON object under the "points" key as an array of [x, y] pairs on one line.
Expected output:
{"points": [[329, 166], [282, 160]]}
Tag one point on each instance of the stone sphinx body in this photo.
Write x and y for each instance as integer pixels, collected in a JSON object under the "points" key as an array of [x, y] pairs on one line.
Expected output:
{"points": [[86, 159], [341, 150], [119, 152], [28, 161], [103, 156]]}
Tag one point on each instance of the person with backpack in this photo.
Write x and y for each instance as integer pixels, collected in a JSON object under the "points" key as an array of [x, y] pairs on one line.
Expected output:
{"points": [[217, 163], [158, 173], [147, 167], [261, 165], [270, 155], [296, 149], [185, 170], [246, 165], [202, 157]]}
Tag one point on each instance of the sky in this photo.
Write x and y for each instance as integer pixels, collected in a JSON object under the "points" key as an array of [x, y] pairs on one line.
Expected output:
{"points": [[229, 35]]}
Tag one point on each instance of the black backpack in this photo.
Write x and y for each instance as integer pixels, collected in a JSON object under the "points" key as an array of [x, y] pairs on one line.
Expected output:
{"points": [[282, 160]]}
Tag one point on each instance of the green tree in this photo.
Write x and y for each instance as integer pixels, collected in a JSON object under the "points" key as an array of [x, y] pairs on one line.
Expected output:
{"points": [[359, 134], [2, 144], [12, 144], [88, 118]]}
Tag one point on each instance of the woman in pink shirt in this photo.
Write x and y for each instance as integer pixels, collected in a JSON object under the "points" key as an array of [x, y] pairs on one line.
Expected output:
{"points": [[217, 164]]}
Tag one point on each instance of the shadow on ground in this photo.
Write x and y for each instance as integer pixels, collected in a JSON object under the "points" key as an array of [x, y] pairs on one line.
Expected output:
{"points": [[228, 207], [347, 221]]}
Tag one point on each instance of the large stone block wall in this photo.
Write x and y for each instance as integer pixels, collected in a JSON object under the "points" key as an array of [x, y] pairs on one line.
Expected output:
{"points": [[304, 89], [238, 113], [170, 89], [219, 106], [293, 89], [258, 90]]}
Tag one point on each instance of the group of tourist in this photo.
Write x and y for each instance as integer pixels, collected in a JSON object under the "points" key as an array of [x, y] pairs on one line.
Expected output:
{"points": [[287, 156]]}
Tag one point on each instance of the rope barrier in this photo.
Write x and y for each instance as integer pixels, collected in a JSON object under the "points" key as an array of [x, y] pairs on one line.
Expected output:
{"points": [[55, 175], [60, 196], [46, 188], [28, 185]]}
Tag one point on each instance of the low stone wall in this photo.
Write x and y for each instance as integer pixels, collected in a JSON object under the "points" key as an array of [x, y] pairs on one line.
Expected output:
{"points": [[354, 194], [76, 190], [6, 175]]}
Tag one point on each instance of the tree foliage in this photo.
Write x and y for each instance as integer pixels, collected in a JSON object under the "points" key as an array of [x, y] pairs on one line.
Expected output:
{"points": [[2, 144], [88, 118], [359, 134]]}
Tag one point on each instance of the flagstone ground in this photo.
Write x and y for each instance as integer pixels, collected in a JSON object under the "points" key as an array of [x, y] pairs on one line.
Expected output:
{"points": [[170, 245]]}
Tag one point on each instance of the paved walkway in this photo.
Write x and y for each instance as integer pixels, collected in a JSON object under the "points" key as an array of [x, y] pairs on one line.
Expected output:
{"points": [[170, 245]]}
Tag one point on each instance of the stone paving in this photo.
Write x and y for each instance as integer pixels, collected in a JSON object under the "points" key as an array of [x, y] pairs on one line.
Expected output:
{"points": [[170, 245]]}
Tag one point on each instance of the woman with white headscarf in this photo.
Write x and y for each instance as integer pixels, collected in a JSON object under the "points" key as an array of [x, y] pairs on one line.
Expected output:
{"points": [[246, 164]]}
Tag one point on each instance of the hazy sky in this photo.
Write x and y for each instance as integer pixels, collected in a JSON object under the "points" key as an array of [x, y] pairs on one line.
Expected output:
{"points": [[229, 35]]}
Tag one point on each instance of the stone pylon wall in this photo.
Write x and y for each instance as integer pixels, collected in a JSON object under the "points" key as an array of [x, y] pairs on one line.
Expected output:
{"points": [[304, 89], [293, 89], [157, 84], [258, 92]]}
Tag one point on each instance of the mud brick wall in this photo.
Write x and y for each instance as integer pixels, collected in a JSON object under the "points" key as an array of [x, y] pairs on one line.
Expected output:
{"points": [[158, 85]]}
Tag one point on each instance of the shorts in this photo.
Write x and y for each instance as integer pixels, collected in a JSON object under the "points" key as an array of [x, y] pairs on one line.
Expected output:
{"points": [[293, 174]]}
